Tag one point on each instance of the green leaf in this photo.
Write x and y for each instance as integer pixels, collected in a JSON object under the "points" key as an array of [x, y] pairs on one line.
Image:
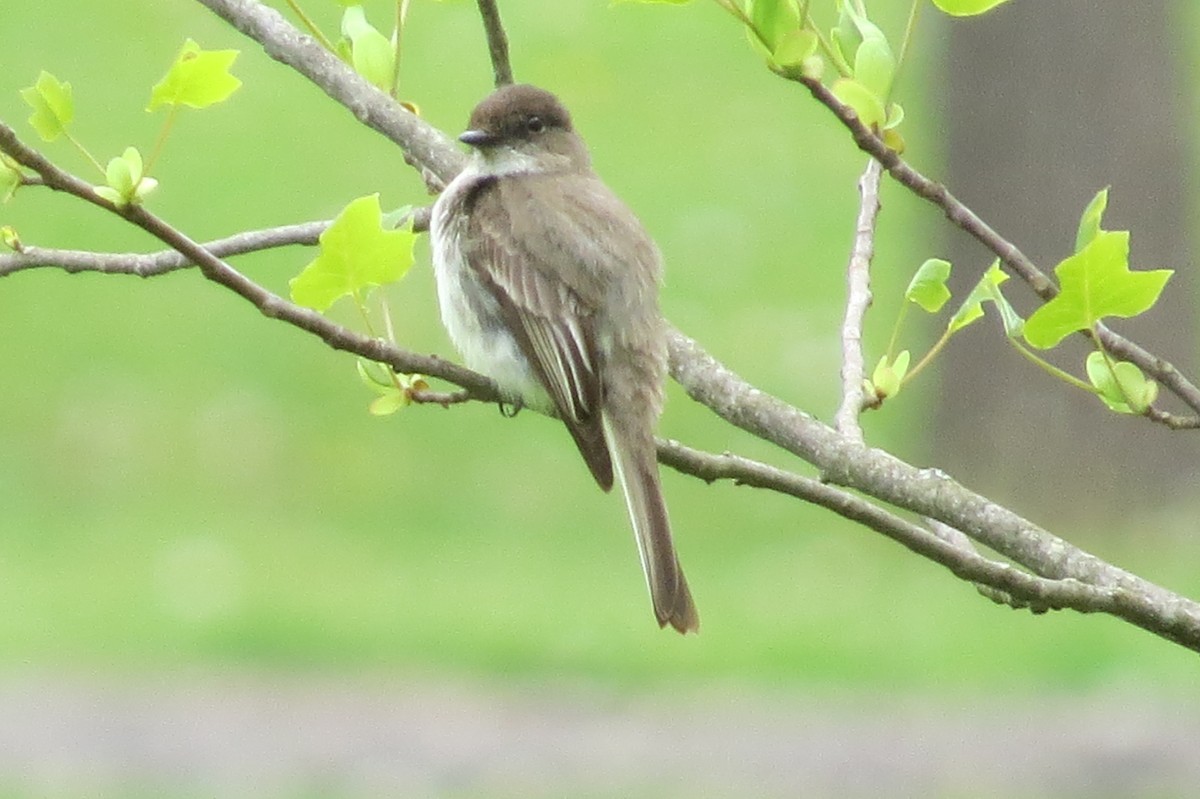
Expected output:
{"points": [[52, 104], [371, 53], [774, 19], [928, 286], [356, 255], [389, 403], [374, 375], [1089, 223], [865, 103], [657, 2], [1123, 388], [888, 376], [795, 47], [10, 238], [986, 290], [874, 64], [845, 34], [126, 183], [966, 8], [197, 78], [1095, 282], [10, 179]]}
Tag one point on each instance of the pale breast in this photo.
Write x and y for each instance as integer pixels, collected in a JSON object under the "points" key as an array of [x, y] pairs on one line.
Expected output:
{"points": [[469, 313]]}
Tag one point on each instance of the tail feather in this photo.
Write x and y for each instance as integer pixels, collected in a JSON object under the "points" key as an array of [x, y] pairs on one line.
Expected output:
{"points": [[637, 472]]}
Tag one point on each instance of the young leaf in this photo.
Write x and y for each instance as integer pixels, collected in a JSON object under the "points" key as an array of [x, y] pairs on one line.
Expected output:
{"points": [[356, 255], [10, 179], [52, 104], [389, 403], [197, 78], [795, 47], [773, 19], [928, 286], [875, 66], [966, 8], [127, 183], [887, 376], [1123, 388], [845, 35], [374, 375], [987, 289], [371, 53], [865, 103], [1095, 282], [10, 238], [1089, 223]]}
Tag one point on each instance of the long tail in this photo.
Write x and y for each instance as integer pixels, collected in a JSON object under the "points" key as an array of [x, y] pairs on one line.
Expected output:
{"points": [[637, 472]]}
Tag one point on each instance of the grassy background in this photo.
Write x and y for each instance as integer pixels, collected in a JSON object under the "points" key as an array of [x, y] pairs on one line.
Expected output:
{"points": [[184, 482]]}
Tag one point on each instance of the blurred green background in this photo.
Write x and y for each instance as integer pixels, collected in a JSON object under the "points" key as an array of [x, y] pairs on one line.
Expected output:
{"points": [[186, 483]]}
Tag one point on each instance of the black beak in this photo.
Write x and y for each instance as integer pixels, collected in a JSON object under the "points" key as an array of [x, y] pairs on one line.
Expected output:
{"points": [[477, 138]]}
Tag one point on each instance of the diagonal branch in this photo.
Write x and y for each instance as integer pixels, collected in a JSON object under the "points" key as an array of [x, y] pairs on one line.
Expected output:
{"points": [[1045, 288], [269, 303], [427, 147], [927, 492], [992, 577]]}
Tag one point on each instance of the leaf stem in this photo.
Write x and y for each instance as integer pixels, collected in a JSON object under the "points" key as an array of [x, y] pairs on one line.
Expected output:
{"points": [[900, 317], [361, 304], [79, 146], [397, 36], [311, 26], [1053, 370], [910, 27], [928, 357], [161, 141]]}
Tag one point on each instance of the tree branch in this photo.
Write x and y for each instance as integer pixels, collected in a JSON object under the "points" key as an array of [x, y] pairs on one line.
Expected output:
{"points": [[270, 304], [158, 263], [497, 42], [424, 145], [858, 299], [1045, 288], [998, 581], [928, 492]]}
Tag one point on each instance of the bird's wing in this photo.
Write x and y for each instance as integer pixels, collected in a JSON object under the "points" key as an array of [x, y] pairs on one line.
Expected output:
{"points": [[550, 323]]}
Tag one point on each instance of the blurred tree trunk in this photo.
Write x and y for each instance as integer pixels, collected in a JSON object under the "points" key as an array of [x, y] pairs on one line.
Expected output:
{"points": [[1048, 103]]}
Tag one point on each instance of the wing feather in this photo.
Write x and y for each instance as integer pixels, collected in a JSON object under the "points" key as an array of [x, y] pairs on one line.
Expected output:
{"points": [[552, 327]]}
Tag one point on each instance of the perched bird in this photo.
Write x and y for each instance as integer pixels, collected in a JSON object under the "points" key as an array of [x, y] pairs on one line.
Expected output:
{"points": [[548, 284]]}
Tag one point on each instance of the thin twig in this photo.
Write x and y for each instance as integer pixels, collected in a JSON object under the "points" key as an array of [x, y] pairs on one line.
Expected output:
{"points": [[425, 396], [1016, 261], [993, 577], [497, 42], [163, 261], [858, 299], [958, 538]]}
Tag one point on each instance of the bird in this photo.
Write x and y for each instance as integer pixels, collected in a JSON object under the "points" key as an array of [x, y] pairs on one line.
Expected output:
{"points": [[548, 284]]}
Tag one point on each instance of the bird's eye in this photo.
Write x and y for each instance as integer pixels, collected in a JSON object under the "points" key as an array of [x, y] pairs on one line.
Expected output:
{"points": [[535, 125]]}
